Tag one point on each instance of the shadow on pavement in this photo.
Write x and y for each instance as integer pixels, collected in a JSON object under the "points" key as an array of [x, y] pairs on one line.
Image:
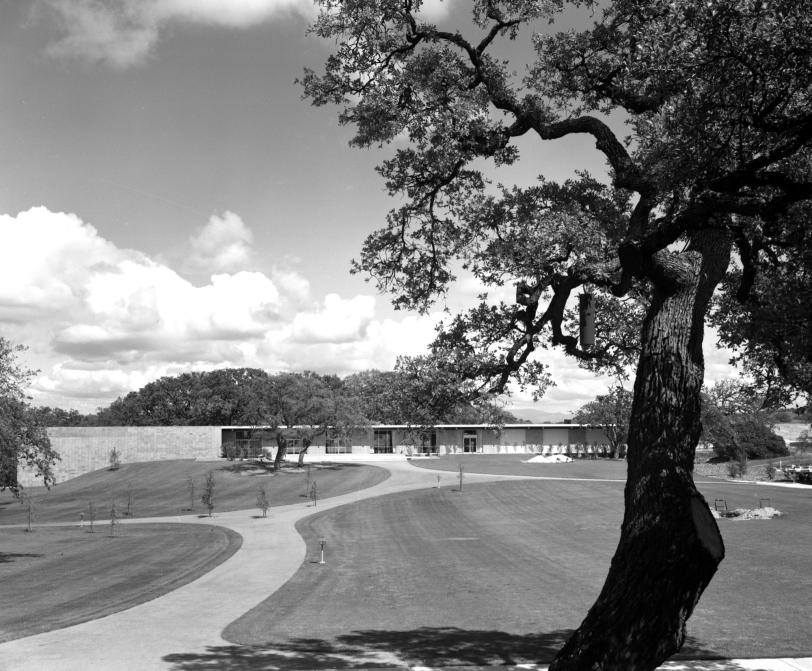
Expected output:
{"points": [[427, 646]]}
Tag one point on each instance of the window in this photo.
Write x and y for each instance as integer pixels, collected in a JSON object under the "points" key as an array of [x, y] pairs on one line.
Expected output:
{"points": [[338, 446], [428, 443], [469, 441], [294, 445], [382, 441], [247, 444]]}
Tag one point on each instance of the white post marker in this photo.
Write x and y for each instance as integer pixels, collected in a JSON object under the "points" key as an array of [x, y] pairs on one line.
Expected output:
{"points": [[322, 542]]}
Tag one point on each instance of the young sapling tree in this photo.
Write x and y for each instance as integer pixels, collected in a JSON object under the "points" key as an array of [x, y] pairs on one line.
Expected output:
{"points": [[208, 492], [115, 460], [30, 510], [190, 487], [91, 515], [262, 500], [113, 519]]}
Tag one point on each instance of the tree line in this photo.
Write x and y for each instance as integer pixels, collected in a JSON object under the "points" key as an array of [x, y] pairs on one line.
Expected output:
{"points": [[253, 397]]}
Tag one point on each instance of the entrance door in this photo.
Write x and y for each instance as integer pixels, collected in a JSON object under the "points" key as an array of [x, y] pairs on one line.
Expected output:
{"points": [[469, 441]]}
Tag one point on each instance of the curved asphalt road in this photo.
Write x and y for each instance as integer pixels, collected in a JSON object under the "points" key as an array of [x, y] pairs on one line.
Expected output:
{"points": [[191, 618]]}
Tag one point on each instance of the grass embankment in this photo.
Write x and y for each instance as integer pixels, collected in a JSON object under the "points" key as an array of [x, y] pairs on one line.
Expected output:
{"points": [[592, 469], [501, 573], [159, 489], [515, 464], [54, 577]]}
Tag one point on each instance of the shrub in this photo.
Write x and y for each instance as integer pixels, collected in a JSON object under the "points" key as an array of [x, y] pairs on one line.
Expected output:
{"points": [[737, 469]]}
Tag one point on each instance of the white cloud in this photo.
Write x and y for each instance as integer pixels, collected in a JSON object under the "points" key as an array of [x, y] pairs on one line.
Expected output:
{"points": [[118, 33], [102, 321], [123, 33], [223, 244], [339, 321], [436, 9], [45, 259], [235, 13]]}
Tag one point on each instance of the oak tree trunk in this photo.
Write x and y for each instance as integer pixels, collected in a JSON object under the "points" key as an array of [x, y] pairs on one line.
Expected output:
{"points": [[305, 445], [281, 450], [669, 546]]}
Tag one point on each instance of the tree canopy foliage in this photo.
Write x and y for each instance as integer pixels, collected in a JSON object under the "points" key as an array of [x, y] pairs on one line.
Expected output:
{"points": [[771, 327], [23, 438], [735, 422], [308, 400], [715, 96], [613, 411], [701, 111]]}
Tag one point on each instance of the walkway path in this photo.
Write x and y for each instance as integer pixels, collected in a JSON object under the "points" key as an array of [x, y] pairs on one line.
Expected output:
{"points": [[191, 618]]}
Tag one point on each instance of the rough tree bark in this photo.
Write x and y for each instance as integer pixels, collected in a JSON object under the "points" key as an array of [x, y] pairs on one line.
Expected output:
{"points": [[281, 450], [670, 545], [305, 445]]}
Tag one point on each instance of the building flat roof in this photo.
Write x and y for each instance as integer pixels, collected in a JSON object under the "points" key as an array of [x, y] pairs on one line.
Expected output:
{"points": [[436, 426]]}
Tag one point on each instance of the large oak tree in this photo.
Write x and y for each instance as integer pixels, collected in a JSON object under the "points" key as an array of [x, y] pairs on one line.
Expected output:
{"points": [[713, 164]]}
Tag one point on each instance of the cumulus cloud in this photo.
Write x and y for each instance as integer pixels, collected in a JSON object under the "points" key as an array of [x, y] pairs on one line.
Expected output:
{"points": [[223, 244], [104, 320], [117, 33], [45, 260], [338, 321], [123, 33]]}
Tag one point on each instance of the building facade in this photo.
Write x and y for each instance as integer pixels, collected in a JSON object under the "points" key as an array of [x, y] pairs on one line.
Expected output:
{"points": [[85, 449], [401, 439]]}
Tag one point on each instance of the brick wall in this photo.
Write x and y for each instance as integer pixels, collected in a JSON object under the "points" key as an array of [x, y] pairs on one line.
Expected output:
{"points": [[85, 449]]}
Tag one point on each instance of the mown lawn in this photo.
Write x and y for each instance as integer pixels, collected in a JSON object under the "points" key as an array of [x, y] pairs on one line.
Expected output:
{"points": [[501, 573], [516, 464], [156, 489], [54, 577]]}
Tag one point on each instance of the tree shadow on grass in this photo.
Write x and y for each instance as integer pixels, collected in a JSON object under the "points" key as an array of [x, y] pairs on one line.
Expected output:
{"points": [[379, 649], [6, 557]]}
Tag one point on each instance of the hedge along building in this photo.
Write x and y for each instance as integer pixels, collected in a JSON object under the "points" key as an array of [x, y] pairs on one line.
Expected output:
{"points": [[84, 449]]}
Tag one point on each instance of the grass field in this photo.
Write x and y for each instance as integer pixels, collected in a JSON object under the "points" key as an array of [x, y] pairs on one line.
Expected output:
{"points": [[515, 464], [58, 576], [501, 573], [160, 489]]}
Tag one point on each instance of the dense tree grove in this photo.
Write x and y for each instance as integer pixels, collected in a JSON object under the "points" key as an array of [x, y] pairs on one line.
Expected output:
{"points": [[735, 423], [23, 437], [253, 397], [702, 112]]}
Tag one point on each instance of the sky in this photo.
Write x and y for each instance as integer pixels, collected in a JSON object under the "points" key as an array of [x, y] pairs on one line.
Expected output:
{"points": [[168, 202]]}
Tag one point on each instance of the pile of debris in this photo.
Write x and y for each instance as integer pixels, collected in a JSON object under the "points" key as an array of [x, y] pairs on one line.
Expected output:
{"points": [[767, 513]]}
